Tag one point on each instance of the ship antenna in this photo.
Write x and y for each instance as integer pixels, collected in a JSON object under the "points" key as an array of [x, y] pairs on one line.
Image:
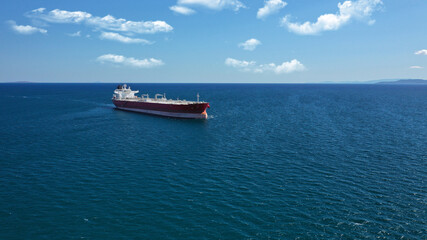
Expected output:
{"points": [[198, 96]]}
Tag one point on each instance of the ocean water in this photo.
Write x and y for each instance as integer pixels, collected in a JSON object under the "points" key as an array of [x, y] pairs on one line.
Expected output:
{"points": [[272, 162]]}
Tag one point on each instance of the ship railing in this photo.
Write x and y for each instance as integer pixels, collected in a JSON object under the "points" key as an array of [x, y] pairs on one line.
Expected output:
{"points": [[145, 97], [162, 96]]}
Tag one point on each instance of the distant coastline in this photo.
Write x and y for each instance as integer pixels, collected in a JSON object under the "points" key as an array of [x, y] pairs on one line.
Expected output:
{"points": [[404, 82]]}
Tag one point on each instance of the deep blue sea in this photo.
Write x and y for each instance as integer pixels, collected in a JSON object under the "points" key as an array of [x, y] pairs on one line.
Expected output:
{"points": [[272, 161]]}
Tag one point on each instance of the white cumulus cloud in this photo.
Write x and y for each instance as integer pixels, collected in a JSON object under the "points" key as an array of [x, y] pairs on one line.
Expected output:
{"points": [[60, 16], [416, 67], [130, 61], [421, 52], [243, 65], [38, 10], [348, 10], [120, 38], [107, 22], [182, 10], [286, 67], [76, 34], [250, 44], [213, 4], [270, 7], [26, 29], [251, 66]]}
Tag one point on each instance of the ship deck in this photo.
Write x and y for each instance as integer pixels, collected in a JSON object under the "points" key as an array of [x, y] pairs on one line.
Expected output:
{"points": [[160, 101]]}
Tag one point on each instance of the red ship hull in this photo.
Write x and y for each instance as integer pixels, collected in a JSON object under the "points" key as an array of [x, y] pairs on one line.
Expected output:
{"points": [[192, 110]]}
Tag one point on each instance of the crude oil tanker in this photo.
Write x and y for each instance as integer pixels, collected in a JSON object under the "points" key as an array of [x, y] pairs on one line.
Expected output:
{"points": [[125, 99]]}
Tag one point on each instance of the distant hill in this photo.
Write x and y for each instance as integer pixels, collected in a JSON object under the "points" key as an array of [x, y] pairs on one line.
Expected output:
{"points": [[405, 82]]}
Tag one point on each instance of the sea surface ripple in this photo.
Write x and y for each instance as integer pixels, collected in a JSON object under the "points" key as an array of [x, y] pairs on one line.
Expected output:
{"points": [[291, 161]]}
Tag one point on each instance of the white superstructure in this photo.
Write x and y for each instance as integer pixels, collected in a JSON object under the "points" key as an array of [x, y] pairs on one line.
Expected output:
{"points": [[124, 92]]}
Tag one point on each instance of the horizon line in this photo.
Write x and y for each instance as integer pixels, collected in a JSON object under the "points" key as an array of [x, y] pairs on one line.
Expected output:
{"points": [[97, 82]]}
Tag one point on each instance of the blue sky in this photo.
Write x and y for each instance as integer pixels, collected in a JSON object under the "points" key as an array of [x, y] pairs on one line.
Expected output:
{"points": [[213, 41]]}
